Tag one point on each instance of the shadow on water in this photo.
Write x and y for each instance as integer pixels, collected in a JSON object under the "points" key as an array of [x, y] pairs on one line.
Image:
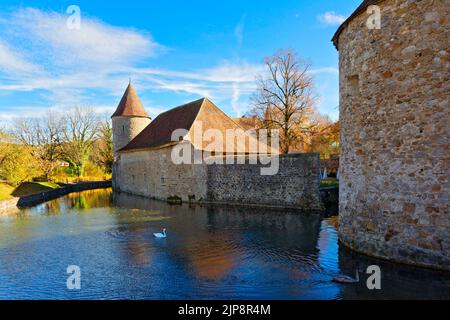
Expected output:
{"points": [[210, 252]]}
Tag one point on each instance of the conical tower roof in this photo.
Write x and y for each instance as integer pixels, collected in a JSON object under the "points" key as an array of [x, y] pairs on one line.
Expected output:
{"points": [[130, 105]]}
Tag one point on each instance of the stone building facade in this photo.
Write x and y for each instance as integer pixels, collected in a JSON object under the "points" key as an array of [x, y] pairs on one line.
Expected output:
{"points": [[151, 173], [394, 111], [144, 165]]}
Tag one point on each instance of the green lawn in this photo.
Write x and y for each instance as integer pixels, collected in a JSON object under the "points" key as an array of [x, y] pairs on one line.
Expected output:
{"points": [[25, 189], [29, 188], [329, 183]]}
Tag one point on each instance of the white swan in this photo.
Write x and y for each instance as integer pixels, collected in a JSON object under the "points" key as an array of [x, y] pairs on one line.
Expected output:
{"points": [[346, 279], [160, 235]]}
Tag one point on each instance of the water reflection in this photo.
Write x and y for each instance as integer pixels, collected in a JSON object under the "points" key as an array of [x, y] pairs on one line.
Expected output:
{"points": [[210, 252]]}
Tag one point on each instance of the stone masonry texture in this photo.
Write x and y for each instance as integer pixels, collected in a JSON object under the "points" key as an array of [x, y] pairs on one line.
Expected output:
{"points": [[126, 129], [151, 173], [295, 185], [394, 111]]}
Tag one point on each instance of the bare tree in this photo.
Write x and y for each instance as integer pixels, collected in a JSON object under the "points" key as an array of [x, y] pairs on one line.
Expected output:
{"points": [[284, 97], [24, 131], [79, 132]]}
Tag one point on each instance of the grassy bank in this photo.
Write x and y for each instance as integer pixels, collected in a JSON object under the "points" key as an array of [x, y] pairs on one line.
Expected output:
{"points": [[5, 191], [329, 183], [25, 189]]}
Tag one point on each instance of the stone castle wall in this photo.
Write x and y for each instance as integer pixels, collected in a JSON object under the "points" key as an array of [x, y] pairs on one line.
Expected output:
{"points": [[394, 111], [126, 128], [295, 185], [151, 173]]}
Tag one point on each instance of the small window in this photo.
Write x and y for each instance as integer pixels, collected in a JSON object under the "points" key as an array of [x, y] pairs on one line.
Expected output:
{"points": [[123, 128]]}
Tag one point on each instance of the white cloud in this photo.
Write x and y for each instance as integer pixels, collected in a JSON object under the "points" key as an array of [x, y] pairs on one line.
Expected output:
{"points": [[216, 82], [233, 72], [99, 57], [12, 61], [95, 43], [236, 105], [64, 67], [226, 71], [179, 86], [39, 52], [331, 18]]}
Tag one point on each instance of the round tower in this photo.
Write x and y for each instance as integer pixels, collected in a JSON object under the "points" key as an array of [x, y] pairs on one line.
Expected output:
{"points": [[394, 104], [129, 119]]}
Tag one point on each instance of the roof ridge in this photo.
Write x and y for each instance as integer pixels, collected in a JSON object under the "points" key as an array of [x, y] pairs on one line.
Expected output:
{"points": [[199, 111], [181, 106]]}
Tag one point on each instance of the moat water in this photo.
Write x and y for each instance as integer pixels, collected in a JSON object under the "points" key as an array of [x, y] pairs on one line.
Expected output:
{"points": [[210, 253]]}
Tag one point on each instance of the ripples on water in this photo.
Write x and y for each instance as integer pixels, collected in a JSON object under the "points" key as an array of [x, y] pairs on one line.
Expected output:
{"points": [[210, 252]]}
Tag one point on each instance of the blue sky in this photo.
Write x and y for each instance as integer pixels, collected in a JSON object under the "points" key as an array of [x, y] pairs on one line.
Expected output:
{"points": [[174, 51]]}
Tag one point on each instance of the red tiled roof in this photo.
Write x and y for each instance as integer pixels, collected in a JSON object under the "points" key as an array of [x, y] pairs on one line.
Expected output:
{"points": [[362, 8], [130, 105], [159, 131]]}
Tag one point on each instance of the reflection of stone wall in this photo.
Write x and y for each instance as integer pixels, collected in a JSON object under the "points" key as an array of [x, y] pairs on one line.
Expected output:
{"points": [[394, 104], [152, 173]]}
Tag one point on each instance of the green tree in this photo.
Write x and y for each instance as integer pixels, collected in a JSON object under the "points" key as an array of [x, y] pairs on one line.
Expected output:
{"points": [[17, 164], [43, 136]]}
